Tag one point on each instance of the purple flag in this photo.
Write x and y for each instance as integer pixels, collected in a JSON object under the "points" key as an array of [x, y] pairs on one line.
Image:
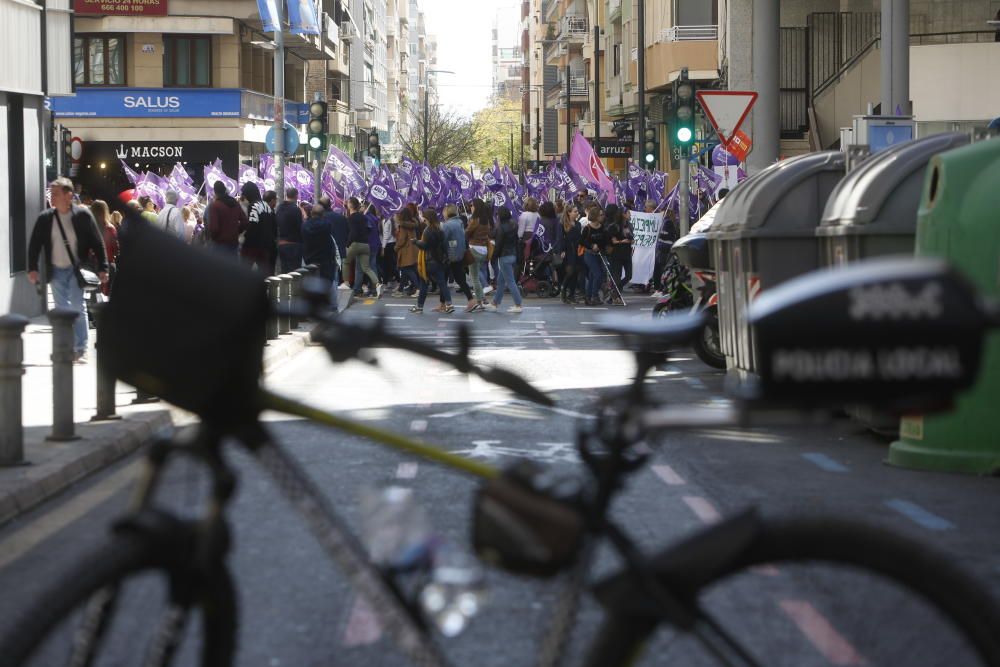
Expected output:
{"points": [[132, 176], [386, 199], [588, 166], [213, 173], [346, 172]]}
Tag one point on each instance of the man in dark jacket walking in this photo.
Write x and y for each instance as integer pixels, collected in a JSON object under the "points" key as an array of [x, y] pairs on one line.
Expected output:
{"points": [[318, 248], [338, 228], [289, 217], [68, 234], [226, 221]]}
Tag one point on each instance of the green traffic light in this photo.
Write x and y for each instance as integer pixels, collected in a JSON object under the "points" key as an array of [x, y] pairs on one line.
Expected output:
{"points": [[650, 158], [684, 134]]}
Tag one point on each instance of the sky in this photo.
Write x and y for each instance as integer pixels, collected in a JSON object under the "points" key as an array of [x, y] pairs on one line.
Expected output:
{"points": [[464, 31]]}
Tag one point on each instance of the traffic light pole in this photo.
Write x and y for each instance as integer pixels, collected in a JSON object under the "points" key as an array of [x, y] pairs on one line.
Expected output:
{"points": [[683, 194], [279, 105], [642, 71]]}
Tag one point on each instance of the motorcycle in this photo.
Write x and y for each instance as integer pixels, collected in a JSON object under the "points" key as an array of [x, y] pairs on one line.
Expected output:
{"points": [[680, 292]]}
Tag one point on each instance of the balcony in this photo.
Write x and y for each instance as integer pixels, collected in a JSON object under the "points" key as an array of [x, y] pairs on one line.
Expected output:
{"points": [[553, 52], [688, 33], [614, 10], [391, 30], [574, 28], [331, 36]]}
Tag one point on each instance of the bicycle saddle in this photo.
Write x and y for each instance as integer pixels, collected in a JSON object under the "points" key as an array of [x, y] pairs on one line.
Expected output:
{"points": [[641, 334]]}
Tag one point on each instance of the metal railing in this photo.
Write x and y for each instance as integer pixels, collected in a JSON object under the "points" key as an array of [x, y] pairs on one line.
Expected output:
{"points": [[689, 33], [578, 85], [793, 101], [836, 41], [575, 24]]}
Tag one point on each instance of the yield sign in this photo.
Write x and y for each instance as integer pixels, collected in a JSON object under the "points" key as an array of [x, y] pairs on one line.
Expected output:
{"points": [[726, 109]]}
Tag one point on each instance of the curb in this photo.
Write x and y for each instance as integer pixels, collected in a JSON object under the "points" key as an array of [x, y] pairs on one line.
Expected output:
{"points": [[56, 466]]}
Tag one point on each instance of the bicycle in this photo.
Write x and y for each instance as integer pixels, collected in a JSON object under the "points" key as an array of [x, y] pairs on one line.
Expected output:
{"points": [[526, 521]]}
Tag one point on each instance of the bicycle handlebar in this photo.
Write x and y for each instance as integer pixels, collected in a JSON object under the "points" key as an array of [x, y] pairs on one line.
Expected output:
{"points": [[345, 340]]}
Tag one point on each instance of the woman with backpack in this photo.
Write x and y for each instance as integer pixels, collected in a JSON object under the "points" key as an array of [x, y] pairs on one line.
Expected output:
{"points": [[436, 260]]}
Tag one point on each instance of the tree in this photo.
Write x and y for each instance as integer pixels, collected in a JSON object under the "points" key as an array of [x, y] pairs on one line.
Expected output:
{"points": [[451, 139], [496, 124]]}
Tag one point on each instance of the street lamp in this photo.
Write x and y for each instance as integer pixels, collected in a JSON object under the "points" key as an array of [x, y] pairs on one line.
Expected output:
{"points": [[427, 106], [535, 88]]}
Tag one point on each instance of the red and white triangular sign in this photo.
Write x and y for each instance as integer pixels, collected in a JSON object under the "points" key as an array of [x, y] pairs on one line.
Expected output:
{"points": [[726, 109]]}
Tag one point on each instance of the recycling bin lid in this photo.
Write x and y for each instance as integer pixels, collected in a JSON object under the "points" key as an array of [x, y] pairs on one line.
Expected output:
{"points": [[866, 195], [779, 199], [707, 219]]}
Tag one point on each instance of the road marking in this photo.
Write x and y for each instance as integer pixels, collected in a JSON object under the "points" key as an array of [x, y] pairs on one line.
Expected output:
{"points": [[824, 462], [645, 309], [396, 305], [589, 308], [919, 515], [702, 509], [26, 539], [738, 435], [821, 633], [418, 425], [407, 470], [455, 319], [472, 408], [362, 624], [386, 317], [548, 341], [668, 475]]}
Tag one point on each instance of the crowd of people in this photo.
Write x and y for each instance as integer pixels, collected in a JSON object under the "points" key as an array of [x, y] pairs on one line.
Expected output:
{"points": [[473, 249], [568, 249]]}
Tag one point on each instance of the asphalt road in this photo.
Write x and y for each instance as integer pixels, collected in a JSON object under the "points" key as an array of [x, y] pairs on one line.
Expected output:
{"points": [[296, 609]]}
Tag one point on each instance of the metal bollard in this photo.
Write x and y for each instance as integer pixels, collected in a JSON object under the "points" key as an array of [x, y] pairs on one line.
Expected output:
{"points": [[63, 427], [297, 277], [11, 370], [273, 299], [284, 302], [106, 382]]}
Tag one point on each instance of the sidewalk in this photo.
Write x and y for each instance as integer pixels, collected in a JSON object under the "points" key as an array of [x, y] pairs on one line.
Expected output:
{"points": [[54, 466]]}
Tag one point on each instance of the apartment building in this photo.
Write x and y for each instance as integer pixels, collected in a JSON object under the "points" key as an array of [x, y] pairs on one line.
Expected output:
{"points": [[397, 75], [190, 84], [507, 56], [369, 74], [42, 30], [423, 59]]}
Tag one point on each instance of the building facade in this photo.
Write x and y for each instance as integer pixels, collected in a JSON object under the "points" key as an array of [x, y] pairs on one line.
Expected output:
{"points": [[35, 47], [192, 85]]}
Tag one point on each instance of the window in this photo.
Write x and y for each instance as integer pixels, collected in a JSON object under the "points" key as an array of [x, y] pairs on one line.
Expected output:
{"points": [[187, 61], [99, 60], [616, 60]]}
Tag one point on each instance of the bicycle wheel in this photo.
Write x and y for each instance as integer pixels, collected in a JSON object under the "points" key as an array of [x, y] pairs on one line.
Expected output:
{"points": [[816, 592], [127, 604]]}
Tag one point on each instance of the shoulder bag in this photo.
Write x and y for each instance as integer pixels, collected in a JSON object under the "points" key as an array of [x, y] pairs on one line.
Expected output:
{"points": [[85, 278]]}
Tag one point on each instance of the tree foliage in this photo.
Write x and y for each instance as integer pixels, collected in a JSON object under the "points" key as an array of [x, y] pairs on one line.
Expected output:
{"points": [[451, 139], [496, 124]]}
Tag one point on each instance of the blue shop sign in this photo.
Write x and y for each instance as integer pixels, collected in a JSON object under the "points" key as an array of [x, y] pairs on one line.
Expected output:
{"points": [[173, 103], [149, 103]]}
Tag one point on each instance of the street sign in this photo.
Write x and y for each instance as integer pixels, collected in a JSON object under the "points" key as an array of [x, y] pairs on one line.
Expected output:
{"points": [[726, 110], [291, 139], [740, 146]]}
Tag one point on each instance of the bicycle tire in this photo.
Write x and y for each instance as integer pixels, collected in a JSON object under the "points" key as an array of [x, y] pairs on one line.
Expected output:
{"points": [[113, 563], [925, 572]]}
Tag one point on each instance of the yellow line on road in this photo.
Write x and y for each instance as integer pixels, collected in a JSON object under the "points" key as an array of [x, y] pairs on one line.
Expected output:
{"points": [[41, 529]]}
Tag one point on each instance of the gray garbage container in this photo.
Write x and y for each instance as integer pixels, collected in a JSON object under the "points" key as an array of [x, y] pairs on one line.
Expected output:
{"points": [[764, 235], [873, 210]]}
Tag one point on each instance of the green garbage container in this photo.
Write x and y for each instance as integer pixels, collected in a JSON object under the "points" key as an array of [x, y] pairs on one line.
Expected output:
{"points": [[765, 234], [959, 219]]}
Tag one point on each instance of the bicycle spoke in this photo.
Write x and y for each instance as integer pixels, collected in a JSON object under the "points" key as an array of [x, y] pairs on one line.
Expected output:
{"points": [[721, 644], [93, 625], [167, 636]]}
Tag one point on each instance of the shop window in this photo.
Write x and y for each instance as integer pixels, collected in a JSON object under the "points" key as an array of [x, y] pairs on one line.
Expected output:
{"points": [[187, 61], [99, 60]]}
